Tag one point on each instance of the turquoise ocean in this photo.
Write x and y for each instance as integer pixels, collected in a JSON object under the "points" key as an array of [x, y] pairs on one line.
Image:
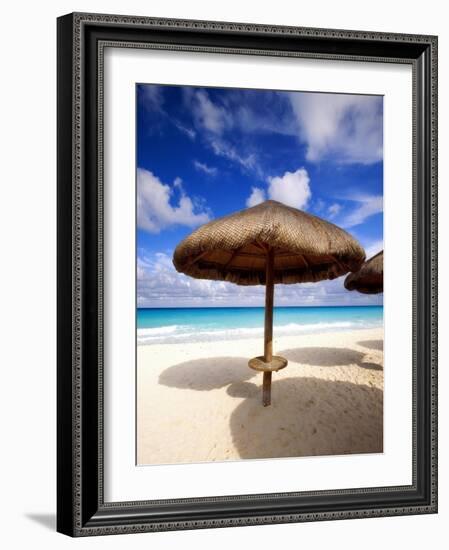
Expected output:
{"points": [[179, 325]]}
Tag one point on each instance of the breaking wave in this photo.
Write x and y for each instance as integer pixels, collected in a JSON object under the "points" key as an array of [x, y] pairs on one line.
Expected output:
{"points": [[190, 333]]}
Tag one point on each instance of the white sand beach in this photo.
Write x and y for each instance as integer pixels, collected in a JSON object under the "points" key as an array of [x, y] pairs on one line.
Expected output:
{"points": [[201, 402]]}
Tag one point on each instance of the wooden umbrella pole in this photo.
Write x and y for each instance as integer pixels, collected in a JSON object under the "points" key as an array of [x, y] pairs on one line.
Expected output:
{"points": [[268, 342]]}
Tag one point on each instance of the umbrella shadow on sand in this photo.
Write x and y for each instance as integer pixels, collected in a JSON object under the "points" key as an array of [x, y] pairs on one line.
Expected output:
{"points": [[329, 357], [198, 374], [323, 357], [308, 416], [267, 244], [377, 345]]}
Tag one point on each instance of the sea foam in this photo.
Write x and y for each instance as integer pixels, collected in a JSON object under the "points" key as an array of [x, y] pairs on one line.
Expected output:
{"points": [[188, 333]]}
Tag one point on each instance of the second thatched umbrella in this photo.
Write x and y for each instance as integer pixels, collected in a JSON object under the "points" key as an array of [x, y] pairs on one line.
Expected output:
{"points": [[370, 277], [267, 244]]}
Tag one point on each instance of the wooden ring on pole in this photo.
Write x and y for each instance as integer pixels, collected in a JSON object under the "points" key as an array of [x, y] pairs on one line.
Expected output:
{"points": [[277, 363]]}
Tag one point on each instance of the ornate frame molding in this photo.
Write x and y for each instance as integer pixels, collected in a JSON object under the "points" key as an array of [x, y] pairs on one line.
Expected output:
{"points": [[81, 509]]}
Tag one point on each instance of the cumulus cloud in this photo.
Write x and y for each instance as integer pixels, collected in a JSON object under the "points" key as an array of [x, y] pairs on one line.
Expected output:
{"points": [[292, 188], [203, 167], [160, 285], [257, 196], [367, 205], [340, 127], [155, 210]]}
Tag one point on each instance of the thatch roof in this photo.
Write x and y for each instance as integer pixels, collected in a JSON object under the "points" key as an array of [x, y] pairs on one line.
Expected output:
{"points": [[233, 248], [370, 278]]}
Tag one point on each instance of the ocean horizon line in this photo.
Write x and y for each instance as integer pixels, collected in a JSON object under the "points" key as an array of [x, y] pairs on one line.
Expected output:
{"points": [[262, 307]]}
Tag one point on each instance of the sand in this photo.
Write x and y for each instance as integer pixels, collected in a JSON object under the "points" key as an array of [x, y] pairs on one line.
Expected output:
{"points": [[200, 402]]}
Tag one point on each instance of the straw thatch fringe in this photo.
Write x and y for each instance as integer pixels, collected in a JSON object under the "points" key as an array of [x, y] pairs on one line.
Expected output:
{"points": [[233, 248], [370, 278]]}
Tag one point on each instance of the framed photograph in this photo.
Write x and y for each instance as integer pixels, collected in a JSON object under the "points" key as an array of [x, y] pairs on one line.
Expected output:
{"points": [[247, 283]]}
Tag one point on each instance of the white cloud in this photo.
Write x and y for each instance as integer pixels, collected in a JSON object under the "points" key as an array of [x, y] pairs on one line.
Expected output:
{"points": [[367, 205], [257, 196], [154, 208], [272, 116], [292, 188], [223, 149], [177, 182], [207, 115], [152, 97], [344, 128], [202, 167], [212, 120], [334, 209], [160, 285], [189, 132]]}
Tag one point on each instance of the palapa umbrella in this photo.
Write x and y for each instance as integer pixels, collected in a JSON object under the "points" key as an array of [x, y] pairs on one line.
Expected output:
{"points": [[267, 244], [370, 277]]}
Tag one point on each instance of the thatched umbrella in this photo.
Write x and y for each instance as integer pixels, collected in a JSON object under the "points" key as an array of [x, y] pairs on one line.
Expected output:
{"points": [[267, 244], [370, 277]]}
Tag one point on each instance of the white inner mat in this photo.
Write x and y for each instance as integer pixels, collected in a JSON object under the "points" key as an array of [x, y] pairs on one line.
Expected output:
{"points": [[123, 480]]}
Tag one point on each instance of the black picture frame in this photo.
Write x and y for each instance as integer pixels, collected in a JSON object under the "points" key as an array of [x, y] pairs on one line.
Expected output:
{"points": [[81, 510]]}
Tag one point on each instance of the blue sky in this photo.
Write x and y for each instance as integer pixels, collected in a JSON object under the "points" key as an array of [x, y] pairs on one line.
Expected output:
{"points": [[206, 152]]}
